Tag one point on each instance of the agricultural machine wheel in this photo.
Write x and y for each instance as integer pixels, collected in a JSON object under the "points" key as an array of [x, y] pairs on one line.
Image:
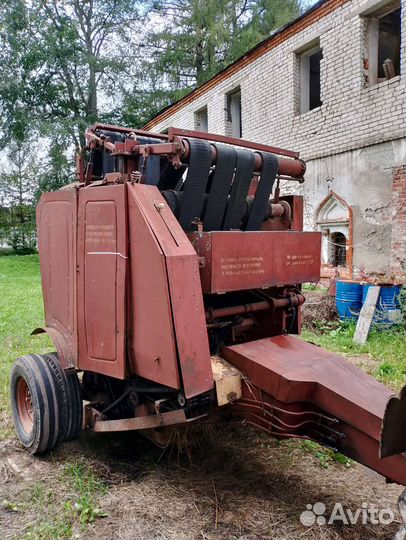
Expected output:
{"points": [[45, 402], [71, 400]]}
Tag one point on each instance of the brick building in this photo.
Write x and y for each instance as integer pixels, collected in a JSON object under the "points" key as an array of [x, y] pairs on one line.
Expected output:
{"points": [[331, 85]]}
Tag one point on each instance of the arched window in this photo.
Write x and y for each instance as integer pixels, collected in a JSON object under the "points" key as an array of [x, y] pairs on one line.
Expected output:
{"points": [[338, 255], [333, 218]]}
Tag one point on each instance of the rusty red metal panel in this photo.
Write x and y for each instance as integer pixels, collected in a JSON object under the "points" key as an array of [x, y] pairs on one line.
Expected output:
{"points": [[102, 264], [393, 436], [184, 290], [293, 371], [190, 324], [202, 243], [152, 337], [56, 224], [297, 212], [239, 260]]}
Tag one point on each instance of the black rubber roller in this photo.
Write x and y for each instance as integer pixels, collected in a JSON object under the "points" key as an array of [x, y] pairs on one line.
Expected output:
{"points": [[194, 187], [220, 188], [263, 192], [239, 190], [170, 176]]}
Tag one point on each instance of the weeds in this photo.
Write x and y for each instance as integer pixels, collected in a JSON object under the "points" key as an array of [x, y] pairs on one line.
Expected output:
{"points": [[326, 456], [58, 529], [41, 496], [88, 488], [11, 506], [314, 287], [53, 520], [330, 327], [402, 304], [61, 514], [83, 479]]}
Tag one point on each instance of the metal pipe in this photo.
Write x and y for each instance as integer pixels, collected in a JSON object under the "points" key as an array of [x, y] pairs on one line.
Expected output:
{"points": [[281, 209], [293, 299], [214, 137], [237, 310], [292, 168]]}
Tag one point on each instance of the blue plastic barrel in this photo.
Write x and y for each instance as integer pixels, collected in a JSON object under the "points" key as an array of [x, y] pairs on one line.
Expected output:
{"points": [[387, 310], [348, 299]]}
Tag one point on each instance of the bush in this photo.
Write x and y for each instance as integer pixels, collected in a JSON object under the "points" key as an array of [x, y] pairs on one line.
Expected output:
{"points": [[18, 229]]}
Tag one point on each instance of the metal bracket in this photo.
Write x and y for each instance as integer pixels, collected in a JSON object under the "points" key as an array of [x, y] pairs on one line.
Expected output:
{"points": [[169, 418]]}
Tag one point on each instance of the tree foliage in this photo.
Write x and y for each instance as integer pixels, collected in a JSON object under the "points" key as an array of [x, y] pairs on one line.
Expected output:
{"points": [[18, 187], [77, 61], [66, 64], [200, 37], [60, 63], [65, 58], [192, 40]]}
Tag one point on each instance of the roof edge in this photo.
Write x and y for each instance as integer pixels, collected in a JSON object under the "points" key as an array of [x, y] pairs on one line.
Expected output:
{"points": [[324, 7]]}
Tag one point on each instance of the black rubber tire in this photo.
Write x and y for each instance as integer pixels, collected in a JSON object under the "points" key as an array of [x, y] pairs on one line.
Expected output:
{"points": [[76, 406], [71, 399], [45, 402]]}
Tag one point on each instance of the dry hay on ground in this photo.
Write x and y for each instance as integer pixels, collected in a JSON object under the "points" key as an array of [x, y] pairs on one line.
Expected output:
{"points": [[232, 483], [318, 307]]}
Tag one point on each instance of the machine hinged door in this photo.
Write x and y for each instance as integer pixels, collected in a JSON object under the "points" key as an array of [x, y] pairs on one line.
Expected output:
{"points": [[102, 266], [56, 223]]}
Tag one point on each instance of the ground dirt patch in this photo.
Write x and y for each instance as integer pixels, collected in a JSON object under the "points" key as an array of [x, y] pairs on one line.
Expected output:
{"points": [[232, 483]]}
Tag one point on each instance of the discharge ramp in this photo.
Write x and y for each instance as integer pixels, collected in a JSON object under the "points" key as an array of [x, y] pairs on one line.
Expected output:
{"points": [[301, 390]]}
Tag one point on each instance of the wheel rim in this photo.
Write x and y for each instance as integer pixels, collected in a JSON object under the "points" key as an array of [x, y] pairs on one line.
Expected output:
{"points": [[24, 405]]}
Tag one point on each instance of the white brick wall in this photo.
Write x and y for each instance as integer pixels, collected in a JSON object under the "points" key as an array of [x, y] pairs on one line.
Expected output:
{"points": [[354, 140], [351, 116]]}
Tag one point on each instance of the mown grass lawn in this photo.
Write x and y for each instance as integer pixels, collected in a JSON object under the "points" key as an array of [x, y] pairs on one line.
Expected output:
{"points": [[21, 311]]}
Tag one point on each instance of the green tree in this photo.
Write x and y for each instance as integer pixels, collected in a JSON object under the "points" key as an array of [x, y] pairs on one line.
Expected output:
{"points": [[61, 66], [262, 18], [15, 98], [24, 175], [66, 57], [200, 37], [57, 169], [189, 41], [18, 187]]}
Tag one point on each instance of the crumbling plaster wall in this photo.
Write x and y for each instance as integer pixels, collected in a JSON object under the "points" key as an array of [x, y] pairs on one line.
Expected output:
{"points": [[363, 178]]}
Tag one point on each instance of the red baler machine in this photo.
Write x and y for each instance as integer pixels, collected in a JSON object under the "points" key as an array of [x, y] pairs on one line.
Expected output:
{"points": [[171, 274]]}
